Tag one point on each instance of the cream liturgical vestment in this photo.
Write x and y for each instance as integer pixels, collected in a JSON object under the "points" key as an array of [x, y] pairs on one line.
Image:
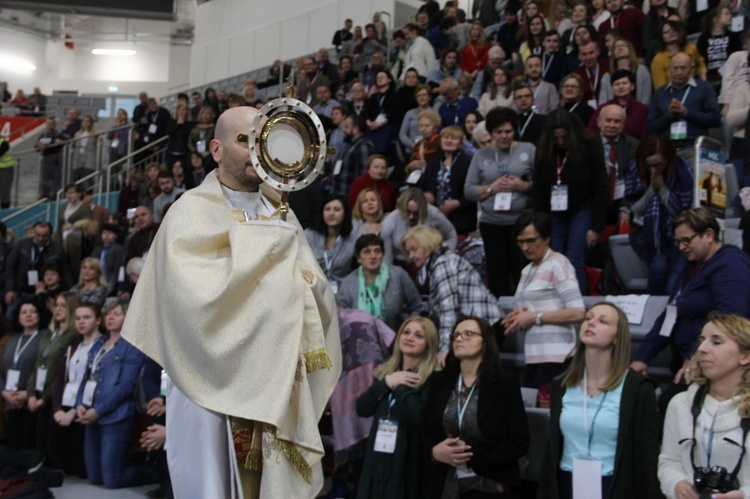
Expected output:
{"points": [[240, 315]]}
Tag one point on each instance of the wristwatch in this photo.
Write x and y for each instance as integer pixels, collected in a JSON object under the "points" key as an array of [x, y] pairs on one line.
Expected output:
{"points": [[489, 189], [538, 320]]}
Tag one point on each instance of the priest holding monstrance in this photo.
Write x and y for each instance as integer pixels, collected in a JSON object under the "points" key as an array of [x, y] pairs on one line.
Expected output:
{"points": [[234, 306]]}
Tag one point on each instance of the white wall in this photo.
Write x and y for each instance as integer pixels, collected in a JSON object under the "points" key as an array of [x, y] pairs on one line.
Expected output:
{"points": [[236, 36]]}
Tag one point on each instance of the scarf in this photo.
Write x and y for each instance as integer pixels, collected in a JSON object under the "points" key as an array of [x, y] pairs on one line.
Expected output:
{"points": [[370, 298]]}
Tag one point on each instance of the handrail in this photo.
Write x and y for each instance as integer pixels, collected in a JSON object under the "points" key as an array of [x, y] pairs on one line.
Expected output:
{"points": [[26, 208], [130, 155]]}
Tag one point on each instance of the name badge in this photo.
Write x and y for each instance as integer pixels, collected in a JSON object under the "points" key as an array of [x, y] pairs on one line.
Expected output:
{"points": [[669, 321], [619, 189], [337, 167], [41, 378], [33, 277], [678, 130], [414, 177], [121, 275], [592, 103], [385, 438], [738, 23], [152, 128], [115, 142], [200, 146], [464, 471], [334, 286], [164, 382], [11, 380], [587, 479], [88, 393], [503, 201], [559, 198], [46, 140], [69, 394], [701, 5]]}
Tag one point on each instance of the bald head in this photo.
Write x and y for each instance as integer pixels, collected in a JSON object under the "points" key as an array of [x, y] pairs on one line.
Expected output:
{"points": [[233, 156], [681, 67], [233, 121], [611, 121]]}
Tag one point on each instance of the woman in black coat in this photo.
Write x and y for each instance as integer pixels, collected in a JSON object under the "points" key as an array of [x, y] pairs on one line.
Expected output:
{"points": [[475, 427]]}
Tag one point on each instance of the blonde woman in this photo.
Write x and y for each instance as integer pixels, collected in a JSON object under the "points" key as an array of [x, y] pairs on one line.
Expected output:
{"points": [[619, 406], [706, 426], [368, 211], [396, 398], [84, 158], [92, 285]]}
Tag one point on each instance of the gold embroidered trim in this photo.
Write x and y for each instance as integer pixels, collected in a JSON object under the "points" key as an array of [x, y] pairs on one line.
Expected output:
{"points": [[317, 360], [254, 460], [293, 455]]}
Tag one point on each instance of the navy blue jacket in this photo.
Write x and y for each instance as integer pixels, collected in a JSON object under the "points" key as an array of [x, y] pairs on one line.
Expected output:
{"points": [[114, 397], [702, 110], [718, 285]]}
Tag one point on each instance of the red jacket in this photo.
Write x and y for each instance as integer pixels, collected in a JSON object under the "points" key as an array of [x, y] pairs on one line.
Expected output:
{"points": [[384, 187], [630, 22]]}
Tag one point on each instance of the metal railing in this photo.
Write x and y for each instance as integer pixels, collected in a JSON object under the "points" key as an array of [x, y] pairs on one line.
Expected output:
{"points": [[26, 209]]}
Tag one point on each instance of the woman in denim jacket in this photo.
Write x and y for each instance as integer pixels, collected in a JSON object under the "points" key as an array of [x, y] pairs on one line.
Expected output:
{"points": [[106, 404]]}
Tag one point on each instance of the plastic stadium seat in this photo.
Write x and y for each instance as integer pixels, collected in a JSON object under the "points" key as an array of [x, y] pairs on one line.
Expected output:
{"points": [[632, 270]]}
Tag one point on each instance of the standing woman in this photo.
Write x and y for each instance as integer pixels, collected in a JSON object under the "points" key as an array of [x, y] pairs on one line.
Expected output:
{"points": [[673, 39], [498, 94], [179, 135], [92, 284], [85, 161], [548, 303], [621, 438], [475, 426], [533, 33], [201, 135], [443, 182], [18, 363], [474, 55], [332, 240], [571, 98], [570, 182], [428, 147], [396, 398], [410, 132], [368, 211], [445, 67], [67, 434], [717, 43], [381, 113], [119, 137], [105, 403], [499, 179], [706, 426], [52, 347], [374, 179]]}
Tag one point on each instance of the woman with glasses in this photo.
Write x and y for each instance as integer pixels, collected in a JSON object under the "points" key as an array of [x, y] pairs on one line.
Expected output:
{"points": [[571, 98], [707, 426], [454, 287], [475, 426], [602, 415], [499, 179], [715, 280], [393, 462], [673, 39], [547, 304], [658, 187]]}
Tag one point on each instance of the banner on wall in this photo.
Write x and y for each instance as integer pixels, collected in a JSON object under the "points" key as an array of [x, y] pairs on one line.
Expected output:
{"points": [[711, 176]]}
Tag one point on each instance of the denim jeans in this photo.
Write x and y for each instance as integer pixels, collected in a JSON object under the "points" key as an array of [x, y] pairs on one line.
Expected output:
{"points": [[569, 238], [106, 451]]}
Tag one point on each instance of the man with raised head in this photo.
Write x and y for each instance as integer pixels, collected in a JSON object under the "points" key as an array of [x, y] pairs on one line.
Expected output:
{"points": [[251, 374]]}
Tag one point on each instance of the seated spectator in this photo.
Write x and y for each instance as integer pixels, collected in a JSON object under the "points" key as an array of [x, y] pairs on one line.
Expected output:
{"points": [[378, 288], [580, 16], [410, 134], [533, 35], [474, 55], [719, 395], [59, 336], [92, 286], [547, 304], [381, 114], [529, 126], [358, 100], [498, 94], [445, 67], [624, 58], [717, 43], [169, 194], [368, 213], [480, 138], [715, 280], [105, 404], [181, 181], [659, 186], [253, 97], [591, 71], [143, 234], [582, 35], [412, 210], [347, 76], [130, 192], [546, 98], [629, 21], [570, 180], [552, 58], [201, 136], [455, 106], [375, 178], [443, 182], [475, 427], [18, 363], [197, 170], [332, 241], [325, 104], [421, 55], [571, 98], [111, 255], [673, 40], [74, 211], [685, 108], [427, 148], [623, 83], [49, 287], [627, 443], [398, 473]]}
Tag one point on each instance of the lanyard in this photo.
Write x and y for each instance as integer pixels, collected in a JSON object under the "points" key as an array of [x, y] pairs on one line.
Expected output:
{"points": [[358, 110], [503, 168], [380, 101], [19, 350], [67, 364], [574, 106], [590, 429], [710, 444], [523, 129], [561, 167], [462, 411], [684, 97], [546, 67], [593, 83], [97, 358], [390, 404], [375, 302], [51, 343], [330, 256]]}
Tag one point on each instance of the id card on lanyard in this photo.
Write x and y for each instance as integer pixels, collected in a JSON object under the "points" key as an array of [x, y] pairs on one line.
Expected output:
{"points": [[678, 129], [13, 377], [587, 473], [463, 471], [559, 194], [385, 438], [89, 389]]}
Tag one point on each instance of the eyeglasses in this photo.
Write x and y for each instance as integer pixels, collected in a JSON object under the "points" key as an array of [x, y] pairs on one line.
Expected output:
{"points": [[686, 240], [528, 241], [464, 335]]}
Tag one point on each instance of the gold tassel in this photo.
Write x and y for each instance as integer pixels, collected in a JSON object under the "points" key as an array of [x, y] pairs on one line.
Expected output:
{"points": [[254, 460], [293, 455], [317, 359]]}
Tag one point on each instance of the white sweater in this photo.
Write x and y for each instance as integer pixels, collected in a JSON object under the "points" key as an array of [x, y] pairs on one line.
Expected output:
{"points": [[674, 460]]}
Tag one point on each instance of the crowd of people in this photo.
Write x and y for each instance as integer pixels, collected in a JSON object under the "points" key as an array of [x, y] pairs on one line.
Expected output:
{"points": [[471, 164]]}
